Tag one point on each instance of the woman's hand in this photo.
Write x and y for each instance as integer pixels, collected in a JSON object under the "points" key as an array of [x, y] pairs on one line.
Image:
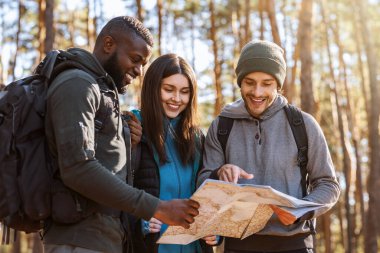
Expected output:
{"points": [[211, 239], [154, 225]]}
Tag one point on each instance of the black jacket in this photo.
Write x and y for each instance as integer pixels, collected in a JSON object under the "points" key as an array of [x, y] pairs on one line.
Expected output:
{"points": [[147, 177]]}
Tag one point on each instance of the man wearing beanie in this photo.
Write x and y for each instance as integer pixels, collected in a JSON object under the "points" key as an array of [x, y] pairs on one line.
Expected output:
{"points": [[261, 149]]}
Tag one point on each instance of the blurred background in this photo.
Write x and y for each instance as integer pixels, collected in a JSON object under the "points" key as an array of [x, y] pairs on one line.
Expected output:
{"points": [[331, 47]]}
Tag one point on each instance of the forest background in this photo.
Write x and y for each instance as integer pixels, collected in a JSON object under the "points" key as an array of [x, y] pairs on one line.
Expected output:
{"points": [[331, 50]]}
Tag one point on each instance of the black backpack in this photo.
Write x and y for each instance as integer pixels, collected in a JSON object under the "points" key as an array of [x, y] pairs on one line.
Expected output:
{"points": [[297, 125], [26, 170]]}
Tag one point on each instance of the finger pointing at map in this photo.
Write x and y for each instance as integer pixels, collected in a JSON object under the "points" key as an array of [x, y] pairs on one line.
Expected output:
{"points": [[232, 173]]}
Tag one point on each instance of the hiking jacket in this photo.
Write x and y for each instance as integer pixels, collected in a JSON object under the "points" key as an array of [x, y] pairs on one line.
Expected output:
{"points": [[266, 147], [92, 166], [166, 181]]}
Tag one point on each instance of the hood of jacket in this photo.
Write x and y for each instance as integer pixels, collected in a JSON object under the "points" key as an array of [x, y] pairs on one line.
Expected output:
{"points": [[90, 63], [238, 110]]}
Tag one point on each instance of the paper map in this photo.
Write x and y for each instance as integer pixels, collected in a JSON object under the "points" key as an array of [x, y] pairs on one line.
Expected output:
{"points": [[233, 210]]}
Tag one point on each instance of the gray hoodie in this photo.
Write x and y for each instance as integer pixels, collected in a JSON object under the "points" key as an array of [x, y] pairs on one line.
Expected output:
{"points": [[266, 147]]}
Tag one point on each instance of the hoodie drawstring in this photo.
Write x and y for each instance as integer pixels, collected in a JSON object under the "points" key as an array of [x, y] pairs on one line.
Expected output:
{"points": [[258, 133]]}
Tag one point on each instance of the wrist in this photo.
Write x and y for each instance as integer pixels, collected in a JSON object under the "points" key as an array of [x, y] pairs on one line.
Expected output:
{"points": [[215, 173], [159, 210]]}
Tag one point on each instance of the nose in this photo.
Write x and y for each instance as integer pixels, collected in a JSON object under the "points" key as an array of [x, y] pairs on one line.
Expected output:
{"points": [[257, 90], [137, 70], [176, 97]]}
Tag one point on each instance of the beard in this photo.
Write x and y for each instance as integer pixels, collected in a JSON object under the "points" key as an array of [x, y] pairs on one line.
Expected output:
{"points": [[112, 67]]}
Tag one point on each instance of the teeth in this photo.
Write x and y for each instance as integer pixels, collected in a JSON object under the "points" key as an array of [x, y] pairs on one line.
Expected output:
{"points": [[173, 106]]}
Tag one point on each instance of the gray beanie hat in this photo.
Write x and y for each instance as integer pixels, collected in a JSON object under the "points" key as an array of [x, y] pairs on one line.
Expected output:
{"points": [[261, 56]]}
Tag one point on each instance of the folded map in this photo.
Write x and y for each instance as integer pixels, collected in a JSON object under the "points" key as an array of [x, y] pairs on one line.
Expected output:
{"points": [[234, 210]]}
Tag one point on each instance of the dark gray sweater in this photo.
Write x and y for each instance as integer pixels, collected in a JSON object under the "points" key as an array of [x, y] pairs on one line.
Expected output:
{"points": [[98, 171]]}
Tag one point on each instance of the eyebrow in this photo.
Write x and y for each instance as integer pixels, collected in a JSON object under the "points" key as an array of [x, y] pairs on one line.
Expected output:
{"points": [[173, 86]]}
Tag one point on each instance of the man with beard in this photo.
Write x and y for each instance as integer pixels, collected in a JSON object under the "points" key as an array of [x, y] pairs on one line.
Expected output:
{"points": [[84, 134], [262, 150]]}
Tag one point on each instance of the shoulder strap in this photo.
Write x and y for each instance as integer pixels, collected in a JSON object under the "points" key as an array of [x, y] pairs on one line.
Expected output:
{"points": [[128, 149], [297, 125], [224, 129]]}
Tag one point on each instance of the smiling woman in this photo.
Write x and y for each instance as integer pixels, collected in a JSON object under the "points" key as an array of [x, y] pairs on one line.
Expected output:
{"points": [[171, 145]]}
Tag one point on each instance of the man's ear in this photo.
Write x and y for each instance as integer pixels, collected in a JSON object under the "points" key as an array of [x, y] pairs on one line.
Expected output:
{"points": [[109, 44]]}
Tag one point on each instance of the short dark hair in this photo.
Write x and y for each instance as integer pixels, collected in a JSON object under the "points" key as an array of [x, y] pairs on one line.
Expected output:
{"points": [[118, 25]]}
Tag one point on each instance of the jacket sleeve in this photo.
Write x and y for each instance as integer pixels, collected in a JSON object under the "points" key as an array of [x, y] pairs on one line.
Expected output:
{"points": [[213, 156], [71, 108], [324, 187]]}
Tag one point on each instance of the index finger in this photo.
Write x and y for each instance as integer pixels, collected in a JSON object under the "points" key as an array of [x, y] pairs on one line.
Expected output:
{"points": [[193, 203], [235, 174], [154, 220], [209, 238]]}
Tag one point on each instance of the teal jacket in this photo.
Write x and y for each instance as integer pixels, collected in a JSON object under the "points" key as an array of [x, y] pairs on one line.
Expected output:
{"points": [[171, 180]]}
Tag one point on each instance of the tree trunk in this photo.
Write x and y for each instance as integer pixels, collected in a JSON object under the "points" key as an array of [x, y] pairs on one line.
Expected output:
{"points": [[95, 21], [340, 214], [71, 28], [271, 10], [287, 89], [290, 88], [49, 24], [41, 30], [217, 65], [2, 28], [192, 30], [307, 96], [346, 155], [327, 232], [235, 26], [88, 25], [373, 185], [359, 178], [159, 16], [358, 210], [140, 16], [247, 23], [261, 8], [359, 51], [13, 63], [140, 10]]}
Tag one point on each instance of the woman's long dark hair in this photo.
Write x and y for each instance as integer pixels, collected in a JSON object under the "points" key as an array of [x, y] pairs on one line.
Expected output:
{"points": [[153, 114]]}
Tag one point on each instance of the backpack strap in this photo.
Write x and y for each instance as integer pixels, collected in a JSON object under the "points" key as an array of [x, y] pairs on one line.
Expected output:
{"points": [[297, 125], [128, 149], [224, 129], [46, 66]]}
